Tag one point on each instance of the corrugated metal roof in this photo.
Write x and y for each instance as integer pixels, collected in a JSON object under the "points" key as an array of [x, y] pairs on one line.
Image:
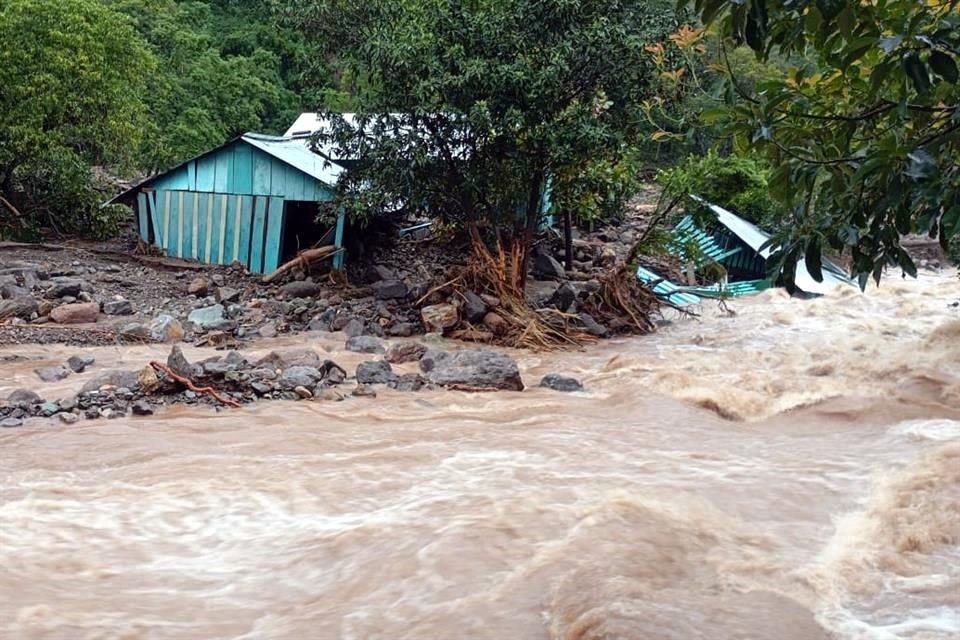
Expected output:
{"points": [[756, 239], [297, 154]]}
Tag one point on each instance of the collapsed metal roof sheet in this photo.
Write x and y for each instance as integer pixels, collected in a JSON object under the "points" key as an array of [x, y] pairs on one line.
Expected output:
{"points": [[757, 240]]}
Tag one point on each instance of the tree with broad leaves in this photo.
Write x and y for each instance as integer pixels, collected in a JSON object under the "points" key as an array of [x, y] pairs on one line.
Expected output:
{"points": [[865, 142], [469, 108]]}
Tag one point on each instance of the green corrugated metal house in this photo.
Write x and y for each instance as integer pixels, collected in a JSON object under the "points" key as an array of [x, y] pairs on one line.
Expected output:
{"points": [[253, 200]]}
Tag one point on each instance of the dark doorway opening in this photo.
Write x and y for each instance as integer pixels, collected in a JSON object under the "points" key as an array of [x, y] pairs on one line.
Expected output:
{"points": [[301, 229]]}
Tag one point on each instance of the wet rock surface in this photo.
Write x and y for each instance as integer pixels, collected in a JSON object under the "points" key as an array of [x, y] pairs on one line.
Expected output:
{"points": [[480, 370], [558, 382]]}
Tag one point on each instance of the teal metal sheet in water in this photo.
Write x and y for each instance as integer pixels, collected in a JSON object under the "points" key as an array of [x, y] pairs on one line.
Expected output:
{"points": [[669, 291]]}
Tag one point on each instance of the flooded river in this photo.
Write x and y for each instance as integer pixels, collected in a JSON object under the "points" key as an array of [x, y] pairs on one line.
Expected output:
{"points": [[791, 472]]}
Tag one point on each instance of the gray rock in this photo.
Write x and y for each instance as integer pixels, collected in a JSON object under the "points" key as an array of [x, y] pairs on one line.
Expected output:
{"points": [[10, 423], [402, 329], [114, 378], [335, 374], [365, 344], [48, 409], [303, 392], [69, 403], [375, 372], [65, 287], [409, 382], [23, 307], [375, 272], [389, 289], [10, 291], [179, 364], [363, 391], [141, 408], [539, 293], [198, 287], [68, 418], [166, 328], [429, 360], [299, 289], [354, 327], [79, 363], [136, 330], [262, 388], [23, 397], [547, 267], [299, 376], [593, 327], [473, 370], [268, 330], [474, 307], [118, 308], [407, 351], [564, 297], [561, 383], [52, 374], [207, 317], [227, 295]]}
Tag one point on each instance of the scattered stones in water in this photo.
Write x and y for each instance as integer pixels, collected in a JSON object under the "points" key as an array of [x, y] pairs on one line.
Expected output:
{"points": [[52, 374], [78, 364], [409, 382], [68, 418], [561, 383]]}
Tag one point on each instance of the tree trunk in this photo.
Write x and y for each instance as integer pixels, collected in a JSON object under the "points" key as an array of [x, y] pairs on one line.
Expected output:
{"points": [[530, 230], [568, 239]]}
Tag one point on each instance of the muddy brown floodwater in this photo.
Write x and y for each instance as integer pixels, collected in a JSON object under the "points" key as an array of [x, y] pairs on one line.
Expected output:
{"points": [[788, 473]]}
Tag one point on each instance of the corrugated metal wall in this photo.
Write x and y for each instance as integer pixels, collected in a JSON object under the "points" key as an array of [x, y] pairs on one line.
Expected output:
{"points": [[214, 228], [242, 169]]}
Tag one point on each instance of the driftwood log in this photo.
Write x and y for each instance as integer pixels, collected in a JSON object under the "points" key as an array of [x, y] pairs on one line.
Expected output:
{"points": [[303, 260]]}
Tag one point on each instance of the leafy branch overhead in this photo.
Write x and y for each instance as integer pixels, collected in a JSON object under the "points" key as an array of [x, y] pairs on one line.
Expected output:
{"points": [[865, 139]]}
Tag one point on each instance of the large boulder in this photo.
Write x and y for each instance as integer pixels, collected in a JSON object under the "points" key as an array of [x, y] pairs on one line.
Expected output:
{"points": [[76, 313], [23, 307], [474, 307], [166, 328], [389, 289], [365, 344], [179, 364], [375, 372], [407, 351], [440, 317], [207, 317], [561, 383], [299, 376], [118, 308], [473, 370], [116, 378], [23, 397], [63, 287], [52, 374], [547, 267]]}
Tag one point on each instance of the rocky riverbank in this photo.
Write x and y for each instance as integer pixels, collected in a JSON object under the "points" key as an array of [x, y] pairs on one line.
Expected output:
{"points": [[234, 379]]}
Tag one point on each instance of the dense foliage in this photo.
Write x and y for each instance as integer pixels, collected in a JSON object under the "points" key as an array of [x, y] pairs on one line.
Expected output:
{"points": [[865, 144], [738, 183], [72, 80], [468, 110]]}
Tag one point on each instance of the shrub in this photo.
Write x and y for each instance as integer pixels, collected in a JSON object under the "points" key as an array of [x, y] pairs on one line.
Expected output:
{"points": [[733, 182]]}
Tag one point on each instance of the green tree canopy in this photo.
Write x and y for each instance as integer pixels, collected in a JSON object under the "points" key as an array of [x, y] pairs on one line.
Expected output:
{"points": [[468, 109], [866, 140], [72, 79]]}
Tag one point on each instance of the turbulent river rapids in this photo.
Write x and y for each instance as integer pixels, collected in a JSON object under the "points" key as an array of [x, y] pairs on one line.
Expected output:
{"points": [[790, 472]]}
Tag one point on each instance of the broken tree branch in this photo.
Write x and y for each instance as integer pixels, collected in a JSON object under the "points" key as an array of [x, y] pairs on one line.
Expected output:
{"points": [[210, 391]]}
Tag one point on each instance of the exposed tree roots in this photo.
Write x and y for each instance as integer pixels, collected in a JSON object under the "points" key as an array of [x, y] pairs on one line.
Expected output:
{"points": [[159, 366]]}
